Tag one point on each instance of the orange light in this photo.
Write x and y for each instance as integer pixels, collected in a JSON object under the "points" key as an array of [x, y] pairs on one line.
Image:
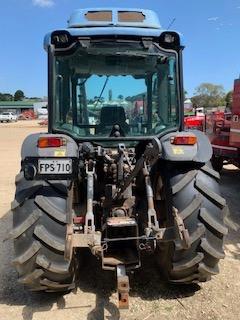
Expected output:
{"points": [[50, 142], [184, 140]]}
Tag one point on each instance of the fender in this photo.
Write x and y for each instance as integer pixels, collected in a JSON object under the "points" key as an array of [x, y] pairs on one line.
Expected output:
{"points": [[31, 155], [201, 152], [30, 148]]}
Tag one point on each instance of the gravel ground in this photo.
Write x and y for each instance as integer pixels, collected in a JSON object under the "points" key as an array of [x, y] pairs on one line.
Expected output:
{"points": [[95, 297]]}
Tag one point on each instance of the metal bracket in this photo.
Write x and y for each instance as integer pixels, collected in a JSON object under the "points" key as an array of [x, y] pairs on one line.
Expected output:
{"points": [[89, 218], [152, 216], [85, 42], [82, 240], [151, 155], [122, 287], [147, 42], [182, 231]]}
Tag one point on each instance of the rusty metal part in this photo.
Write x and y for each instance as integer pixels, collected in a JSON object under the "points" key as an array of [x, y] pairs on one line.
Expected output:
{"points": [[69, 219], [119, 212], [89, 218], [151, 155], [159, 195], [162, 234], [68, 244], [182, 231], [166, 234], [120, 221], [79, 220], [121, 243], [125, 209], [122, 287], [129, 179], [152, 216], [129, 203], [110, 263], [120, 162], [81, 240]]}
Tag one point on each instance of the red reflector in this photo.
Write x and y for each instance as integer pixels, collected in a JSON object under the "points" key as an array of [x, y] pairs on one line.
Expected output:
{"points": [[50, 142], [184, 140], [79, 220]]}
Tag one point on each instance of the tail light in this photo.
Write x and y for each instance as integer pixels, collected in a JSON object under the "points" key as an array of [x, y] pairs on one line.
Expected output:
{"points": [[184, 140], [79, 220], [51, 142]]}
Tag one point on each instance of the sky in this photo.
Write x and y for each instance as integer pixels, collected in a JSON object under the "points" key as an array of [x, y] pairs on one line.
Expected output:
{"points": [[210, 30]]}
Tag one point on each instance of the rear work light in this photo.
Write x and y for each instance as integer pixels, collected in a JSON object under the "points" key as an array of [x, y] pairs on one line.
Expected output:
{"points": [[61, 39], [169, 39], [51, 142], [184, 140]]}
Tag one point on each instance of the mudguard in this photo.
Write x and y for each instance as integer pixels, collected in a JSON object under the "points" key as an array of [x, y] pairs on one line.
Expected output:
{"points": [[30, 148], [200, 152], [31, 155]]}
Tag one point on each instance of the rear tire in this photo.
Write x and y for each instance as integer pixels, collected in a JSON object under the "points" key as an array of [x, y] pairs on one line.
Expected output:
{"points": [[39, 232], [195, 194]]}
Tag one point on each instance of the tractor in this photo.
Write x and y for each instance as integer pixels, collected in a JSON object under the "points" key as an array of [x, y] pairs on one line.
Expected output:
{"points": [[116, 173]]}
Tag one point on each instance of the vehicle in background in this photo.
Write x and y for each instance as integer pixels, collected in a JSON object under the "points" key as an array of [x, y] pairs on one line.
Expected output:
{"points": [[200, 112], [42, 112], [27, 115], [8, 117], [194, 119], [223, 131]]}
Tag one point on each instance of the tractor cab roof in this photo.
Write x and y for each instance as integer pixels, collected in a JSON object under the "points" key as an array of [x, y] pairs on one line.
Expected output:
{"points": [[111, 21], [118, 17]]}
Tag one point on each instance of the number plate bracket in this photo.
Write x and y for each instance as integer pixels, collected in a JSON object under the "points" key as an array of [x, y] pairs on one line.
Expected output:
{"points": [[34, 161]]}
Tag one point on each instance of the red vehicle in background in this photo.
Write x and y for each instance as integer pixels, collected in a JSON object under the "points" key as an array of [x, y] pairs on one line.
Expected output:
{"points": [[223, 130], [195, 120]]}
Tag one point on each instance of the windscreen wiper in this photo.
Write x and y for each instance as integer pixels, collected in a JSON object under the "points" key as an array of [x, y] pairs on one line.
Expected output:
{"points": [[104, 86]]}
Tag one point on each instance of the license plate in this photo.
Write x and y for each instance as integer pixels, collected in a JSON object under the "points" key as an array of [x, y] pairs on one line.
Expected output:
{"points": [[52, 166]]}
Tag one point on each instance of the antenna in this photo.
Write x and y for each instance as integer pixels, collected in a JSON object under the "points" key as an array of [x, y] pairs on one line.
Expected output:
{"points": [[171, 23]]}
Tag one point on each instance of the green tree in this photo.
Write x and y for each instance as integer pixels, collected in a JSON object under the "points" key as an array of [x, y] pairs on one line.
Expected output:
{"points": [[120, 97], [18, 95], [34, 98], [209, 95], [6, 97], [229, 99]]}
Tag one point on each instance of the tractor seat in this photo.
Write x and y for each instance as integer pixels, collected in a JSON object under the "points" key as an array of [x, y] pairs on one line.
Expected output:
{"points": [[111, 115]]}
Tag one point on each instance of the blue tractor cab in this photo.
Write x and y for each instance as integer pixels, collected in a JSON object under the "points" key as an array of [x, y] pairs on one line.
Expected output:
{"points": [[118, 57]]}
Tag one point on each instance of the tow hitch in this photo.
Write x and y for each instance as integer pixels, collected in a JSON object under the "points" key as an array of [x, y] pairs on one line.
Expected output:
{"points": [[122, 287]]}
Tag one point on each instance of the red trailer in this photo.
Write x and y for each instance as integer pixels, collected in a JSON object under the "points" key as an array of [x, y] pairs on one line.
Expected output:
{"points": [[218, 128], [223, 130], [235, 123]]}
